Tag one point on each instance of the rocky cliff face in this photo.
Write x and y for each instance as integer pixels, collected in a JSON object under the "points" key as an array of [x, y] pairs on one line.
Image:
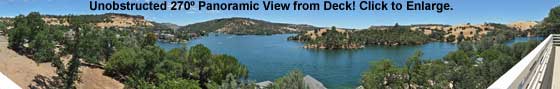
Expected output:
{"points": [[123, 20]]}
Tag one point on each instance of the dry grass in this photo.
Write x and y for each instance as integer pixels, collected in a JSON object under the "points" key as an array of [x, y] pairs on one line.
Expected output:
{"points": [[27, 73]]}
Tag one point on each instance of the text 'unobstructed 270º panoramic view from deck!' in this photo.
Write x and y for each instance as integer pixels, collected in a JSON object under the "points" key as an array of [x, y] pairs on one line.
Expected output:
{"points": [[279, 44]]}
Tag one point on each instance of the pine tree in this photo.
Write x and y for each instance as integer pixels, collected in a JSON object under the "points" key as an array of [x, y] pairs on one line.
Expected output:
{"points": [[74, 64]]}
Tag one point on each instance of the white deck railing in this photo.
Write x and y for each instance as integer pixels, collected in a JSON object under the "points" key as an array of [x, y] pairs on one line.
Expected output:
{"points": [[528, 73], [6, 83]]}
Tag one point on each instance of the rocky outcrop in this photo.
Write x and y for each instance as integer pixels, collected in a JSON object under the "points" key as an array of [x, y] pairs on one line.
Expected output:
{"points": [[264, 84], [313, 83], [123, 20]]}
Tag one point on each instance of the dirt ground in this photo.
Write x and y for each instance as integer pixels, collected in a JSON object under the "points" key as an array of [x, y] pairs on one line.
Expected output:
{"points": [[28, 74]]}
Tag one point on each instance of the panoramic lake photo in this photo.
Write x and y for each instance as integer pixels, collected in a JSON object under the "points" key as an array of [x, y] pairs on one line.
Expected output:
{"points": [[279, 44]]}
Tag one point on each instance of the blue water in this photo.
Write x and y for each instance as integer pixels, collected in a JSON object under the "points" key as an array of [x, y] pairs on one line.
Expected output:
{"points": [[269, 57], [523, 39]]}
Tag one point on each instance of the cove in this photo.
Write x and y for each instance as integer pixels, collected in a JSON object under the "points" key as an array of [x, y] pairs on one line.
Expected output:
{"points": [[270, 57]]}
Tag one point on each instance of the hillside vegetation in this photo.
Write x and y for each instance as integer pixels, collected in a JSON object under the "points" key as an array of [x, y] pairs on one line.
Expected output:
{"points": [[410, 35], [484, 60], [243, 26], [128, 56]]}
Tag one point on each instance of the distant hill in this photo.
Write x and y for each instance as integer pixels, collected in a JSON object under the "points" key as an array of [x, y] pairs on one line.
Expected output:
{"points": [[412, 34], [163, 26], [168, 25], [241, 26], [238, 25], [108, 20], [476, 31]]}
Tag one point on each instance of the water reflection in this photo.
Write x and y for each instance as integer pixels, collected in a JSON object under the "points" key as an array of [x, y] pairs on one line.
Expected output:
{"points": [[269, 57]]}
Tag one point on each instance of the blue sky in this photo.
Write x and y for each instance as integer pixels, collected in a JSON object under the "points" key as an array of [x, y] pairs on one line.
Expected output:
{"points": [[464, 11]]}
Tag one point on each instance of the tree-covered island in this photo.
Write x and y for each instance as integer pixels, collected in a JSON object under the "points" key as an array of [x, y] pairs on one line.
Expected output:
{"points": [[335, 38]]}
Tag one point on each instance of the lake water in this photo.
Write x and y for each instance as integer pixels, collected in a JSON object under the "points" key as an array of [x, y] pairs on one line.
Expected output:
{"points": [[269, 57]]}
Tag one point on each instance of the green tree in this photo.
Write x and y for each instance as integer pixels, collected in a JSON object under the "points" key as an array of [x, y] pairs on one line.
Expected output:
{"points": [[19, 34], [467, 46], [72, 73], [95, 45], [60, 70], [150, 66], [108, 42], [495, 63], [437, 72], [462, 63], [231, 82], [459, 58], [177, 53], [200, 59], [150, 39], [3, 28], [223, 65], [451, 38], [207, 67], [43, 47], [99, 44], [35, 21], [331, 38], [414, 70], [293, 80], [520, 50], [461, 38], [179, 84], [25, 30], [382, 74], [170, 69], [138, 82], [124, 63], [551, 23]]}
